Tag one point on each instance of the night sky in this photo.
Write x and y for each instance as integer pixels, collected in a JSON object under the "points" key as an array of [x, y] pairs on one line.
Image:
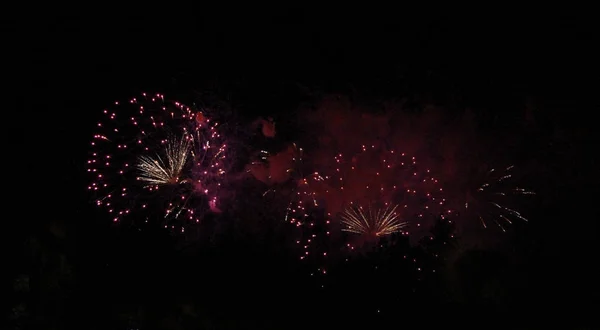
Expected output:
{"points": [[464, 94]]}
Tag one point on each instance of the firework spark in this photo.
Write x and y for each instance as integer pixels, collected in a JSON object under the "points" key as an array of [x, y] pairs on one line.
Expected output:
{"points": [[155, 171], [379, 222], [300, 189], [157, 159], [488, 201], [289, 168], [303, 192]]}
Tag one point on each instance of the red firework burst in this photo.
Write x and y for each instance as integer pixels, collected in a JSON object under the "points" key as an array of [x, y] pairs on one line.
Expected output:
{"points": [[398, 190]]}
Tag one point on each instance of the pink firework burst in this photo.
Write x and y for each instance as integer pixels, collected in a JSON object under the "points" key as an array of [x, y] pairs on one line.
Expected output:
{"points": [[156, 159]]}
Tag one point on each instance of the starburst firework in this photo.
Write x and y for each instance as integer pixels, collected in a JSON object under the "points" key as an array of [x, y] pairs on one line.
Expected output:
{"points": [[155, 171], [385, 177], [376, 222], [488, 201], [158, 159]]}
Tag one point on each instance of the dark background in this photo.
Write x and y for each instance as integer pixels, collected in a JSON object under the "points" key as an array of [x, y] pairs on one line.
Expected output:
{"points": [[67, 67]]}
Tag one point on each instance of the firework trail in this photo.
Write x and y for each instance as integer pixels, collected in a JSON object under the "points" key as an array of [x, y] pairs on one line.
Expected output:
{"points": [[155, 171], [487, 202], [379, 222], [157, 159]]}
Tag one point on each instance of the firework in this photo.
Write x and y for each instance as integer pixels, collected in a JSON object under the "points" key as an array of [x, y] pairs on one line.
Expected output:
{"points": [[407, 194], [155, 171], [301, 189], [488, 201], [303, 193], [379, 222], [285, 172], [157, 159]]}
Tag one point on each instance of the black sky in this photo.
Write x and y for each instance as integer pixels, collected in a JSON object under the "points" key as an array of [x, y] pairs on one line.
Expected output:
{"points": [[369, 51], [67, 66]]}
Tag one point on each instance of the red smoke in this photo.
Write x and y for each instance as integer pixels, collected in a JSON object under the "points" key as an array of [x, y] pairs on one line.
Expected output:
{"points": [[446, 143]]}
